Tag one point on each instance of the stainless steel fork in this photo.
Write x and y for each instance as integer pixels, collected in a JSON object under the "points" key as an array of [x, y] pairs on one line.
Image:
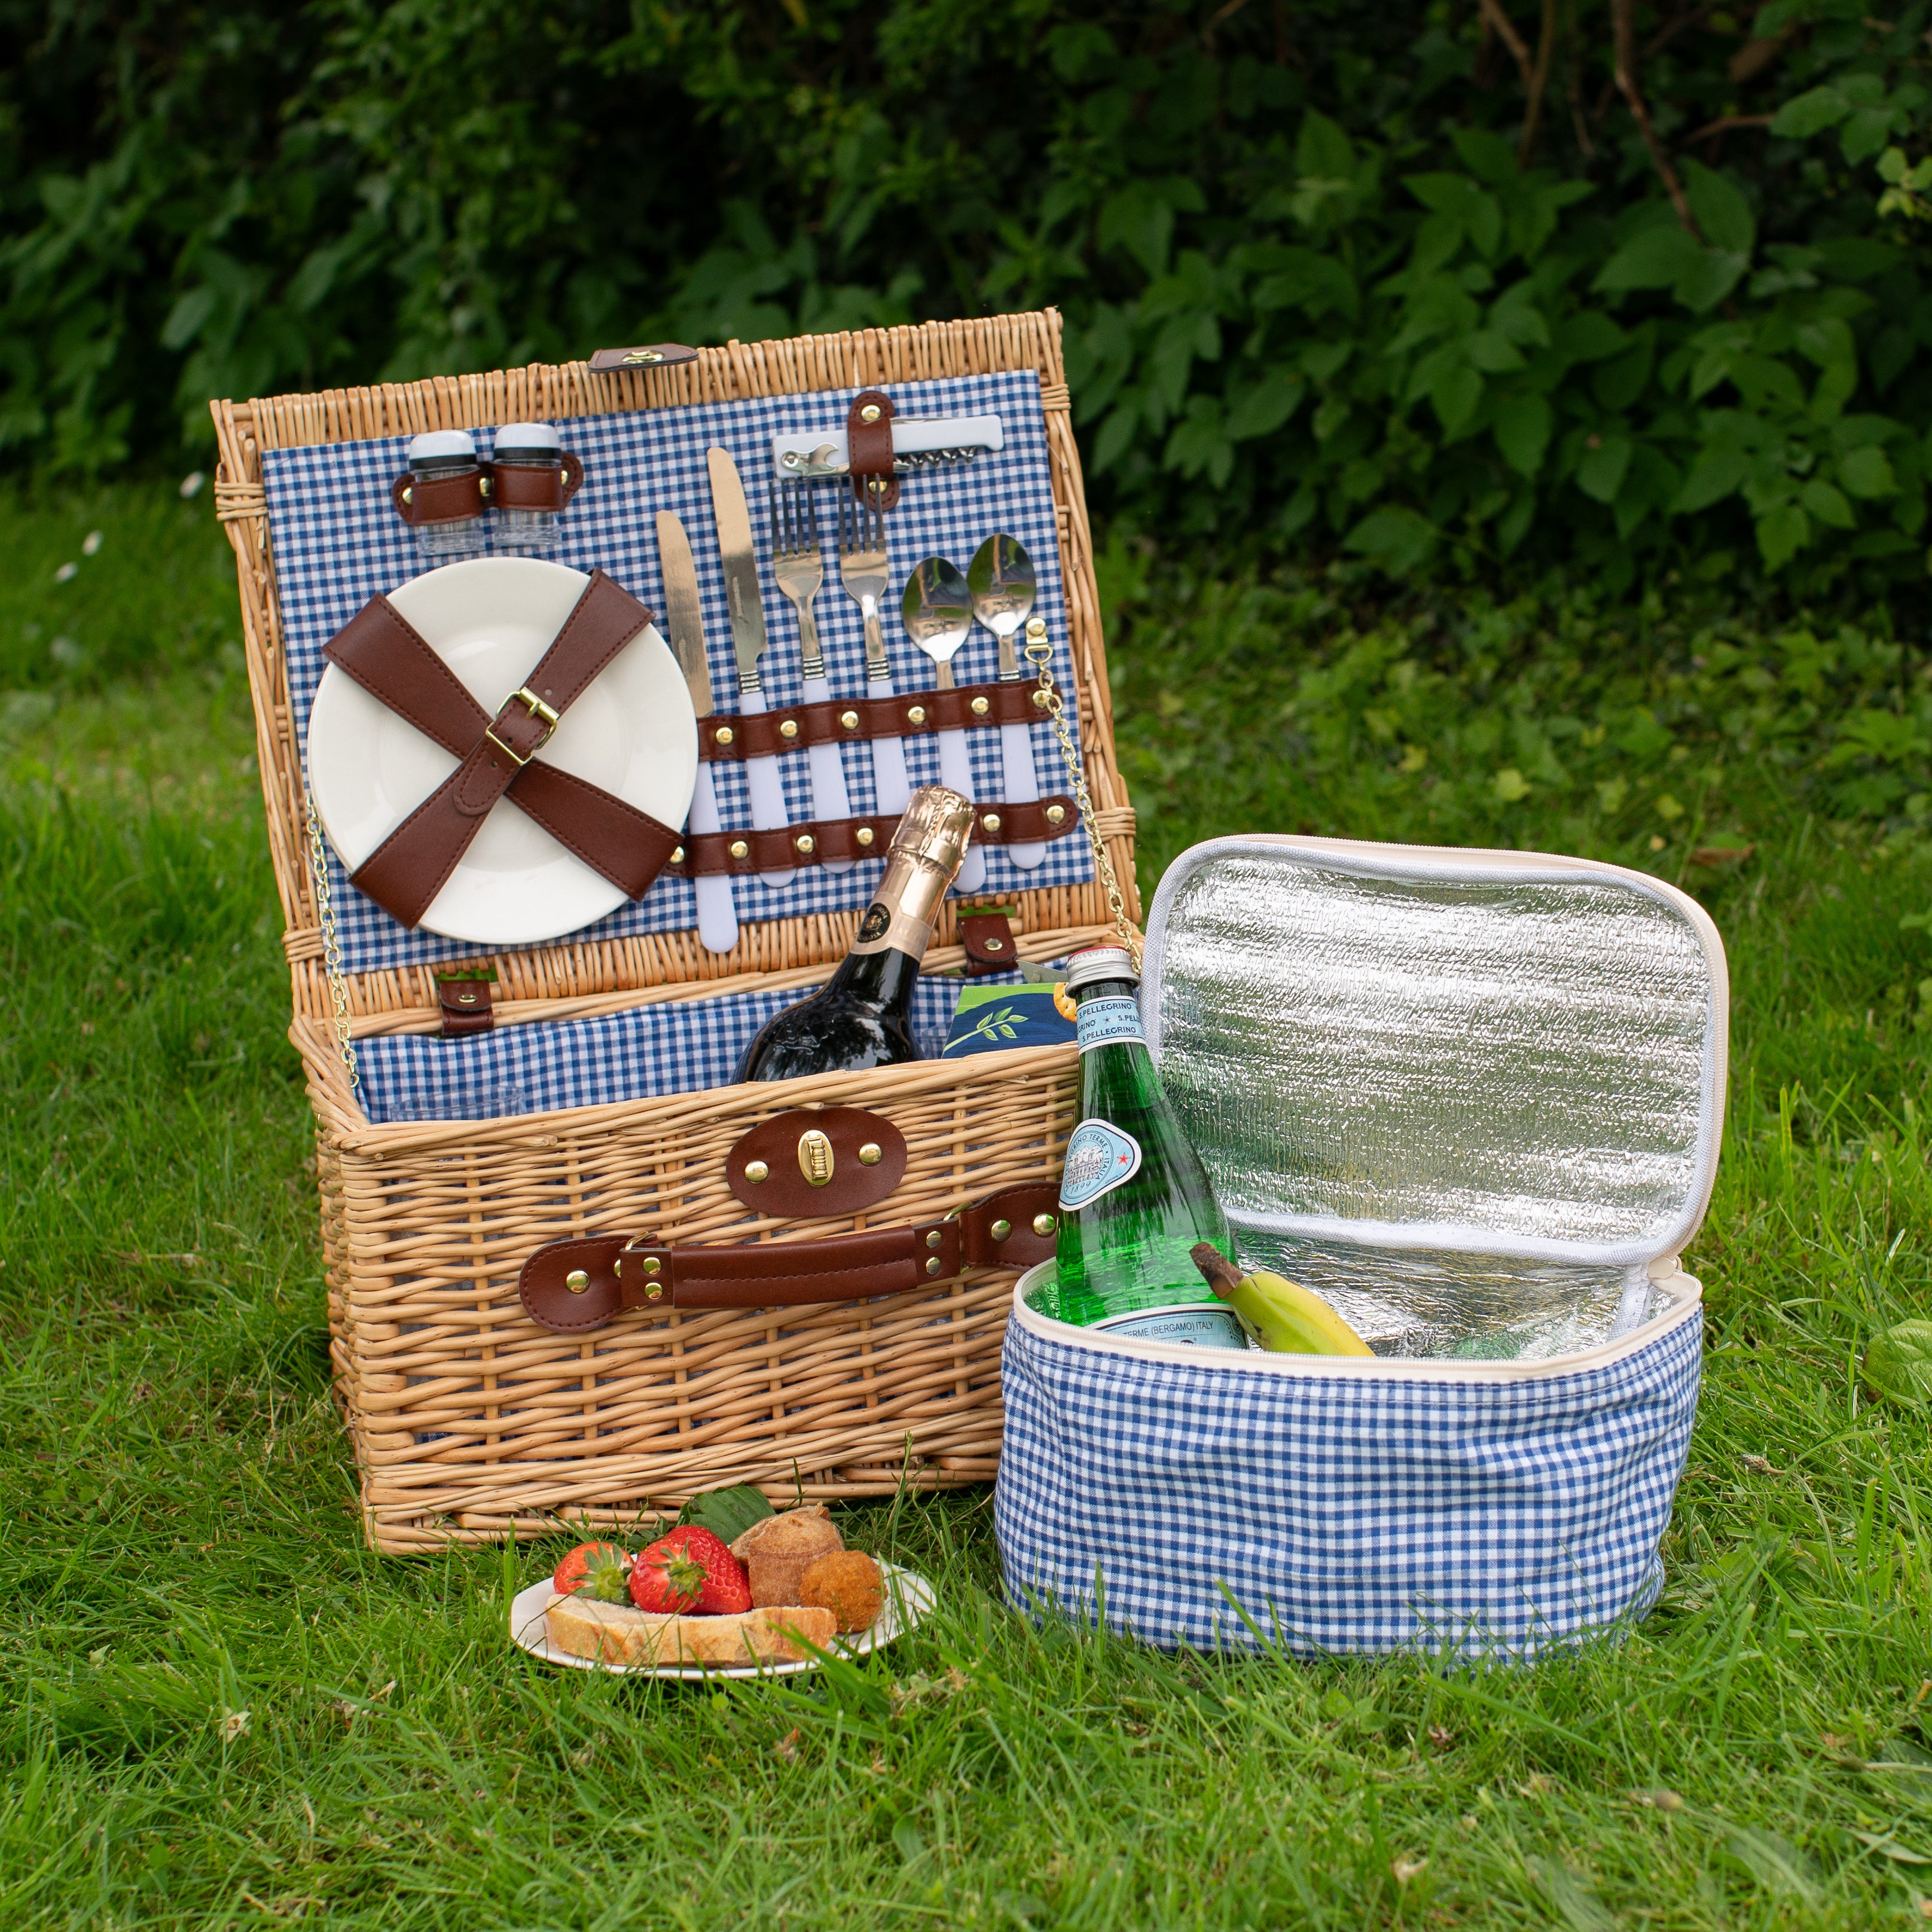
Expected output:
{"points": [[862, 570], [799, 564]]}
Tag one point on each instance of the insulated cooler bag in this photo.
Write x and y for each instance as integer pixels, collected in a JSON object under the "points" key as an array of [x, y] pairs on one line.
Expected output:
{"points": [[1473, 1099], [552, 1294]]}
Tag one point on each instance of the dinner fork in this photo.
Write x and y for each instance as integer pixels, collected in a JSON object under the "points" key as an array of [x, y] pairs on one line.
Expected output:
{"points": [[799, 564], [862, 568]]}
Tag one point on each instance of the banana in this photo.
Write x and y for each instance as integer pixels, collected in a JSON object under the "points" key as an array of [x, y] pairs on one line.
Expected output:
{"points": [[1281, 1315]]}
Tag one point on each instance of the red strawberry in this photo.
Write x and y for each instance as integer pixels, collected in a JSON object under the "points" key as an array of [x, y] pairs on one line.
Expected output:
{"points": [[598, 1570], [691, 1571]]}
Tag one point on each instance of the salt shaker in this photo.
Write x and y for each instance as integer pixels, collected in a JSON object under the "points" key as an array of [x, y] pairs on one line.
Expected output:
{"points": [[535, 479], [442, 498]]}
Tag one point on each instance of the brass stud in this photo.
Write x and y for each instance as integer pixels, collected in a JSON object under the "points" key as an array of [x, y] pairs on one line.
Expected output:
{"points": [[864, 835], [725, 734], [652, 1264], [756, 1170], [677, 856], [1044, 1224], [1039, 700], [815, 1157], [788, 728], [993, 945], [933, 1238], [980, 706], [576, 1281], [409, 494], [1001, 1229], [563, 477], [653, 1291], [467, 998], [916, 714], [870, 413], [991, 821], [871, 1154], [850, 719], [484, 486], [934, 1266], [1055, 814], [806, 842], [740, 850]]}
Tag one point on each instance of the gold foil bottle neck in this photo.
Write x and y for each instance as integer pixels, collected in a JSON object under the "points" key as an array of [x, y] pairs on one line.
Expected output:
{"points": [[938, 827], [924, 857]]}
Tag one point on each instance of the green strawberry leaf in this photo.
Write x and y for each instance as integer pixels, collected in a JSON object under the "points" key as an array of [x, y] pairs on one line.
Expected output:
{"points": [[726, 1514]]}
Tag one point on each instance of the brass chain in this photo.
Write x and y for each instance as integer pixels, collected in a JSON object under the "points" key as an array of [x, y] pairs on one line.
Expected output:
{"points": [[1039, 654], [331, 948]]}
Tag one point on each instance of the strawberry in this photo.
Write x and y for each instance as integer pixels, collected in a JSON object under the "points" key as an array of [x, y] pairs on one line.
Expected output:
{"points": [[691, 1571], [598, 1570]]}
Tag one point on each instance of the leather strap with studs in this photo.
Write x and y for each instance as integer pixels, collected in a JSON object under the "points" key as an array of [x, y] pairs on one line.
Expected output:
{"points": [[813, 842], [722, 737], [570, 1286]]}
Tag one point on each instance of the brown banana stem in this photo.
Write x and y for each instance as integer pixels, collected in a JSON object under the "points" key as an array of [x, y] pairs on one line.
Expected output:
{"points": [[1219, 1272]]}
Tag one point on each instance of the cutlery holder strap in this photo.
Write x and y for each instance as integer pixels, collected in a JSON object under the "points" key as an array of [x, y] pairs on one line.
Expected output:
{"points": [[868, 448], [999, 822], [572, 1286], [383, 652], [722, 739]]}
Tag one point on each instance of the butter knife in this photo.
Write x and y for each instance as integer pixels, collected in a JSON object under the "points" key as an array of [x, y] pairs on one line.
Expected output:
{"points": [[748, 638], [717, 916]]}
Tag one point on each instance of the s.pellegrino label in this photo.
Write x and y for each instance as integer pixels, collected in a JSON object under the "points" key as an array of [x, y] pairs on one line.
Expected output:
{"points": [[1099, 1157], [1100, 1021]]}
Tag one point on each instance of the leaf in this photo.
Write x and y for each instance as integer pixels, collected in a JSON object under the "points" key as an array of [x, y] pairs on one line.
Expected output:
{"points": [[1488, 157], [1889, 1847], [1262, 408], [1714, 474], [1491, 352], [1827, 505], [1575, 1904], [1521, 427], [1601, 474], [1654, 259], [1705, 282], [1782, 532], [1772, 1861], [1322, 151], [1898, 1363], [1808, 114], [1116, 434], [726, 1514], [1396, 539], [1722, 211], [1867, 472], [186, 318], [1455, 394], [1589, 336]]}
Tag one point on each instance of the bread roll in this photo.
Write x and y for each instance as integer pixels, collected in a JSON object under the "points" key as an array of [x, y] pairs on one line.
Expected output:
{"points": [[621, 1633], [777, 1550]]}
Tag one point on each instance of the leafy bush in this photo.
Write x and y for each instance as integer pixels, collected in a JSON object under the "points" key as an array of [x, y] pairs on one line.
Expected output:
{"points": [[1646, 294]]}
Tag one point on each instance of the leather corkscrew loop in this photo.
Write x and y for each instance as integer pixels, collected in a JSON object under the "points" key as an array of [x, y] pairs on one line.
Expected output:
{"points": [[868, 448]]}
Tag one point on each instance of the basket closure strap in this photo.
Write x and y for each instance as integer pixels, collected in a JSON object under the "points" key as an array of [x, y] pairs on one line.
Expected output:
{"points": [[722, 739], [814, 840], [570, 1286], [385, 654]]}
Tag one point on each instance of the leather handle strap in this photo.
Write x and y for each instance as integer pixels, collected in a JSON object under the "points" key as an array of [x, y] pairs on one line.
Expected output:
{"points": [[385, 654], [574, 1285], [722, 738], [868, 448], [816, 840]]}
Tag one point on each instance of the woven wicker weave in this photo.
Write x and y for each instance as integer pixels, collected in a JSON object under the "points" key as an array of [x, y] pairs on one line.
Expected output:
{"points": [[468, 1421]]}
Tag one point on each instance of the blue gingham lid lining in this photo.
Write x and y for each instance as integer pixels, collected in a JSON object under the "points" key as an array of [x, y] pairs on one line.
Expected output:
{"points": [[338, 541]]}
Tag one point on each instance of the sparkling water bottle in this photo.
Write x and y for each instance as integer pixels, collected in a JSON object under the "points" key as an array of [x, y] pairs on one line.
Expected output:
{"points": [[1134, 1198]]}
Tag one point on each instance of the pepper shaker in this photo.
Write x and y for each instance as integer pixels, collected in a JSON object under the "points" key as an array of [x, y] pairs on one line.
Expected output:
{"points": [[531, 475], [438, 454]]}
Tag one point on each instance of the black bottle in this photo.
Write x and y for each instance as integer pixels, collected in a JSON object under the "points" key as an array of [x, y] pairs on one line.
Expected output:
{"points": [[859, 1019]]}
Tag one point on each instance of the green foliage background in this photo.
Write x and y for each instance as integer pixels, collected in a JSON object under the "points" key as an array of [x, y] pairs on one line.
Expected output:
{"points": [[1322, 283]]}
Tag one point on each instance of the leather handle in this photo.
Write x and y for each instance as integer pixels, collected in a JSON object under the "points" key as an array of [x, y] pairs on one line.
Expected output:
{"points": [[574, 1285]]}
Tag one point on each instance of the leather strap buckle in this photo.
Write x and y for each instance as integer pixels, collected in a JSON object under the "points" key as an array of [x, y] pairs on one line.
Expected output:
{"points": [[539, 709]]}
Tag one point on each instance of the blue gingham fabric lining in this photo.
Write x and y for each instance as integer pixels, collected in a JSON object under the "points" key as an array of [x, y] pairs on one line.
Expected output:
{"points": [[1368, 1514], [681, 1046], [338, 541]]}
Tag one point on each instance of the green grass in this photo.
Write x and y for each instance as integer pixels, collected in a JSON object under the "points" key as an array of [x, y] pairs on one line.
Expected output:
{"points": [[177, 1535]]}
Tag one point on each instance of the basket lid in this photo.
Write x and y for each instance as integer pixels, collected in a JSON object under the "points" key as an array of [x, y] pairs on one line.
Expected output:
{"points": [[1409, 1046]]}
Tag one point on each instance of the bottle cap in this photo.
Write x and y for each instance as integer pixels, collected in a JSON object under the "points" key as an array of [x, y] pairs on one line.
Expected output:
{"points": [[530, 442], [442, 445], [938, 827], [1100, 962]]}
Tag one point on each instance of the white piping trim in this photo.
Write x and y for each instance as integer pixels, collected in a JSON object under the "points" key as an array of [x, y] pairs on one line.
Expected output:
{"points": [[1372, 860], [1686, 1292]]}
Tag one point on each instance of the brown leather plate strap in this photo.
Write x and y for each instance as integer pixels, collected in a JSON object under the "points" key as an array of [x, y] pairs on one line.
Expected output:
{"points": [[817, 840], [388, 657], [765, 735], [570, 1286], [868, 448]]}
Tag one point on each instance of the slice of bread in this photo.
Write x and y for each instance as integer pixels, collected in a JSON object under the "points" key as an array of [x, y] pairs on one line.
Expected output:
{"points": [[619, 1633]]}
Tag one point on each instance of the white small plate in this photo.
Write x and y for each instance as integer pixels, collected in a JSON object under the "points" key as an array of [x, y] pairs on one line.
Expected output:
{"points": [[632, 732], [908, 1597]]}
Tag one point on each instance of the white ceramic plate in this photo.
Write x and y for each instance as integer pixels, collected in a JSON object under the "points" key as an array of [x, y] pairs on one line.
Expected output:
{"points": [[632, 732], [908, 1597]]}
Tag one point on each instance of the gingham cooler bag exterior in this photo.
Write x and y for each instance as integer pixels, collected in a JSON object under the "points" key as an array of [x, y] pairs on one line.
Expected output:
{"points": [[1364, 1506]]}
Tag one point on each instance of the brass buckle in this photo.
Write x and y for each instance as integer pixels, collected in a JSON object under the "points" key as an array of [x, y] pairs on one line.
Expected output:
{"points": [[537, 708]]}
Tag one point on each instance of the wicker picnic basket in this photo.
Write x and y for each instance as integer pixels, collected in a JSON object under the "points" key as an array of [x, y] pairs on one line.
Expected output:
{"points": [[471, 1421]]}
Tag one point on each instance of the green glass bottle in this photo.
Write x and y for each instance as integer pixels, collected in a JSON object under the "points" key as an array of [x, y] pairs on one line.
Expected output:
{"points": [[1134, 1198]]}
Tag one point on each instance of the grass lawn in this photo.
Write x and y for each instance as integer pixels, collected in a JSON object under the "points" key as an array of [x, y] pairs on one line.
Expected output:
{"points": [[220, 1709]]}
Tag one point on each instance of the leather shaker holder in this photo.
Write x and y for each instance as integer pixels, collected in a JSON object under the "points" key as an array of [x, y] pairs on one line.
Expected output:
{"points": [[468, 492], [724, 738], [572, 1286], [868, 448]]}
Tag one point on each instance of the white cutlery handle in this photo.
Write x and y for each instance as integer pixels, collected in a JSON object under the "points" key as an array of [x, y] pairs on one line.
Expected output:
{"points": [[889, 781], [830, 798], [717, 916], [1022, 787], [768, 798], [955, 769]]}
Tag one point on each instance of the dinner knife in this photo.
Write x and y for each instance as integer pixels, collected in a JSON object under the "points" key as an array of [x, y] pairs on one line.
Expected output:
{"points": [[717, 915], [748, 639]]}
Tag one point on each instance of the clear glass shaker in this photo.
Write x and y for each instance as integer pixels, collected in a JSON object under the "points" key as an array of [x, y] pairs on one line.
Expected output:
{"points": [[525, 450], [441, 453]]}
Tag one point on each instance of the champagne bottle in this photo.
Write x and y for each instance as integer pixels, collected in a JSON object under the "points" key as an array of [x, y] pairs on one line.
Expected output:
{"points": [[1134, 1198], [859, 1019]]}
